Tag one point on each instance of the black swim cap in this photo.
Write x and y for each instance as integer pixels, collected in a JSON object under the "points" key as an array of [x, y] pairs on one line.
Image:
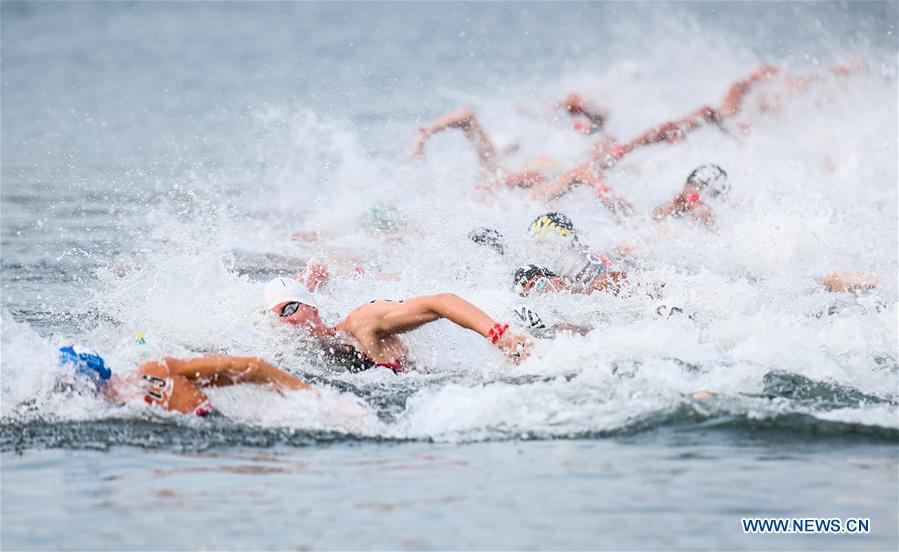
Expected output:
{"points": [[527, 273], [489, 237], [710, 179]]}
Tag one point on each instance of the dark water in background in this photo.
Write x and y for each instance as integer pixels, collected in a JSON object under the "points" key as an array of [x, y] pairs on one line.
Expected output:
{"points": [[142, 144]]}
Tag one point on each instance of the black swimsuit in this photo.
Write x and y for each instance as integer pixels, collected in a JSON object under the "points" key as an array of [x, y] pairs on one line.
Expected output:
{"points": [[356, 361]]}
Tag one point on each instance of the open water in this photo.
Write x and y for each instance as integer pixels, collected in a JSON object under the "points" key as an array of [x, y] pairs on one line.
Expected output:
{"points": [[156, 158]]}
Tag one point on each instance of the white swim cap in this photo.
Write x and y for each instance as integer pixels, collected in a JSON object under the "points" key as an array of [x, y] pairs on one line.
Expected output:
{"points": [[282, 290]]}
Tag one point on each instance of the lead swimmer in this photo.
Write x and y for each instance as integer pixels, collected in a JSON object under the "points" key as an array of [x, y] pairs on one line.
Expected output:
{"points": [[171, 384], [369, 336]]}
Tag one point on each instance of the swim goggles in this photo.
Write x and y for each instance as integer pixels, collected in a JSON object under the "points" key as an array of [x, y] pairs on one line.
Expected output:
{"points": [[290, 308], [536, 286]]}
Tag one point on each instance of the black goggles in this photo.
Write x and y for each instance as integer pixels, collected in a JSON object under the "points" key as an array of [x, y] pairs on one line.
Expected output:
{"points": [[290, 308]]}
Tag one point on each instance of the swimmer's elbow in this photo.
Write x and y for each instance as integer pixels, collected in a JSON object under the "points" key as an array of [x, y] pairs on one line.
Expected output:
{"points": [[441, 304], [445, 299]]}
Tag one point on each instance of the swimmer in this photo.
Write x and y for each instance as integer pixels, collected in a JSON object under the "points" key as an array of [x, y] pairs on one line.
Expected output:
{"points": [[171, 384], [575, 268], [771, 85], [733, 103], [583, 272], [369, 336], [496, 175], [607, 153], [705, 182]]}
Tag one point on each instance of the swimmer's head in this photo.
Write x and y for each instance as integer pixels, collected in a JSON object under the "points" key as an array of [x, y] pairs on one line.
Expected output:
{"points": [[488, 237], [292, 302], [710, 180], [553, 228], [383, 218], [530, 277], [88, 369]]}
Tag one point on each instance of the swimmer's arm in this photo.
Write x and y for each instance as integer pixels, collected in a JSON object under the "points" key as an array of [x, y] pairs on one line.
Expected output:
{"points": [[413, 313], [222, 370], [669, 209], [733, 100], [524, 179], [418, 311], [663, 132], [463, 119], [802, 82], [675, 130], [582, 174]]}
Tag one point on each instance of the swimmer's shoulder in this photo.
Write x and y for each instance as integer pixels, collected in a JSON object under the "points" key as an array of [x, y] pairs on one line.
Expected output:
{"points": [[383, 304], [373, 309]]}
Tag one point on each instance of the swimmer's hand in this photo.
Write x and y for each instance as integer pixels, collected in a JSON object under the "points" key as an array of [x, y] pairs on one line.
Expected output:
{"points": [[516, 347], [418, 145], [316, 276]]}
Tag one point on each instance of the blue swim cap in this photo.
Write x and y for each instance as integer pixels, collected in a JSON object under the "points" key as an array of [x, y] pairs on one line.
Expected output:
{"points": [[86, 364]]}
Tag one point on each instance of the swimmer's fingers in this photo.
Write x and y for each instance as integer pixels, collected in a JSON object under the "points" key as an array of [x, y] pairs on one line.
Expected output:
{"points": [[516, 347], [418, 145], [316, 275], [523, 349]]}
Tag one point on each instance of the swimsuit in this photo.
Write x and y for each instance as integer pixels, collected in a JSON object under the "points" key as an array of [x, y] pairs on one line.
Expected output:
{"points": [[356, 361]]}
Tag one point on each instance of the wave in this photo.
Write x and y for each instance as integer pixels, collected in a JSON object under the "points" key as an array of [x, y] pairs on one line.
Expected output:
{"points": [[194, 436]]}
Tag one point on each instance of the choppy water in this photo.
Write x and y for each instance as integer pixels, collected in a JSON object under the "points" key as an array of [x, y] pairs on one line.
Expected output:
{"points": [[156, 157]]}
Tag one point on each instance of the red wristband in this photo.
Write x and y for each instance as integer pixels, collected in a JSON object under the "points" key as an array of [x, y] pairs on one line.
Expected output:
{"points": [[496, 332]]}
